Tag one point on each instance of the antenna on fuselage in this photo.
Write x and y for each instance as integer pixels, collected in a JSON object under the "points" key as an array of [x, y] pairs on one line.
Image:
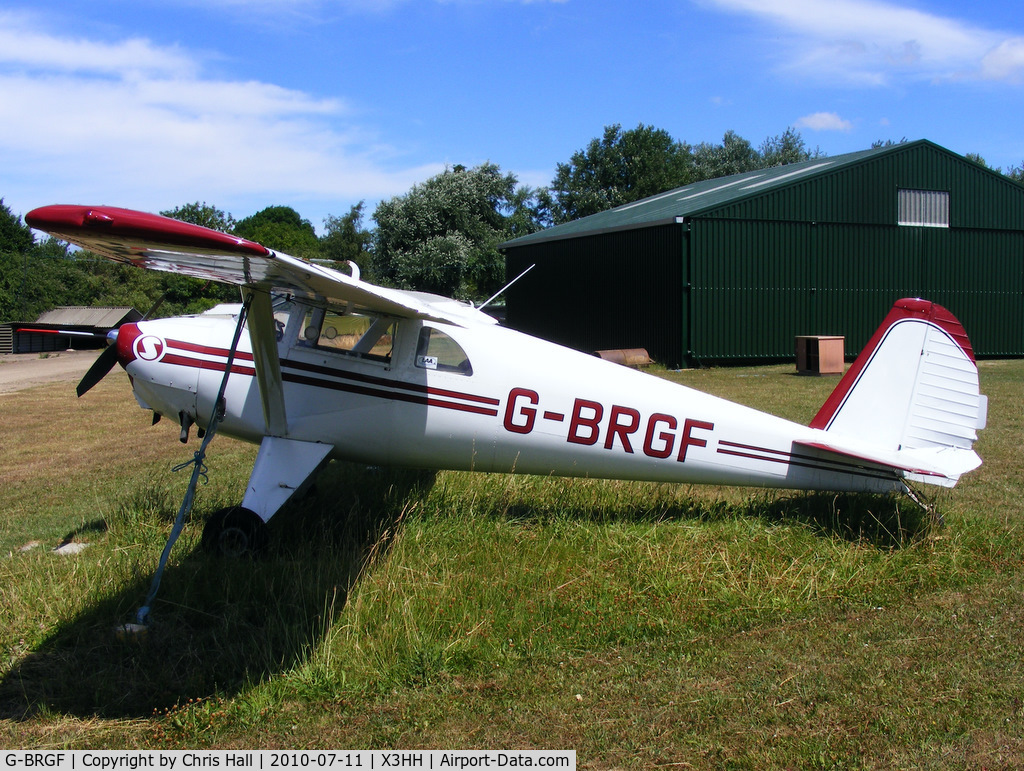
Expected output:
{"points": [[501, 291]]}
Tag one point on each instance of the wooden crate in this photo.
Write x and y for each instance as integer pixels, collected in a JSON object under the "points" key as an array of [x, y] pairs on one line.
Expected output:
{"points": [[820, 354]]}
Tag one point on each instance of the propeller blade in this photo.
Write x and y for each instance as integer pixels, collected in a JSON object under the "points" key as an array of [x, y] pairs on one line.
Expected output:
{"points": [[99, 369], [156, 306]]}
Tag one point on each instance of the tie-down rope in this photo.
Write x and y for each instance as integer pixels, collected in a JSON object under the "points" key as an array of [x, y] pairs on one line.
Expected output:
{"points": [[198, 470]]}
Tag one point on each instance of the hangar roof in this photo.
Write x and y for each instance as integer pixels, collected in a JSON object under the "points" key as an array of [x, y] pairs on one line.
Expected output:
{"points": [[671, 206], [81, 316]]}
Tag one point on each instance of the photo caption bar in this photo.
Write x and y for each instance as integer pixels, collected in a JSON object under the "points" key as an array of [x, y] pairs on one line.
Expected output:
{"points": [[269, 760]]}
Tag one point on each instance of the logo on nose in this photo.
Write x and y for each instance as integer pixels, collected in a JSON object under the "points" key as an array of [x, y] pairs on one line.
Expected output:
{"points": [[149, 347]]}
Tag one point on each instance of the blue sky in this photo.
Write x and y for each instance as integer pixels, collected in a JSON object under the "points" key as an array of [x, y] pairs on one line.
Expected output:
{"points": [[318, 104]]}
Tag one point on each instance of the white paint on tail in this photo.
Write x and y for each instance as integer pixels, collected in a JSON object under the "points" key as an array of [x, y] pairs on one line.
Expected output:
{"points": [[912, 395]]}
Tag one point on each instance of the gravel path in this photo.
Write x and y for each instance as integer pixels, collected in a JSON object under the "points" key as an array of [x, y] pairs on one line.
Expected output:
{"points": [[23, 370]]}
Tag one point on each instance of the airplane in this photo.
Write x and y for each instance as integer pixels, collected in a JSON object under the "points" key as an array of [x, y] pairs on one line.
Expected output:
{"points": [[336, 367]]}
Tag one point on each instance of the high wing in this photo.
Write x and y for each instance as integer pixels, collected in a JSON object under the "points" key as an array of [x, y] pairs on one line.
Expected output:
{"points": [[160, 243], [164, 244]]}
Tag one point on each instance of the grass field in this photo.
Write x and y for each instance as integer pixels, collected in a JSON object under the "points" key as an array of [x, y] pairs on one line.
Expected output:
{"points": [[642, 625]]}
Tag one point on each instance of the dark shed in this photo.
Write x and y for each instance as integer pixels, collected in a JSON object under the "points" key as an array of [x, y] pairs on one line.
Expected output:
{"points": [[64, 328], [733, 269]]}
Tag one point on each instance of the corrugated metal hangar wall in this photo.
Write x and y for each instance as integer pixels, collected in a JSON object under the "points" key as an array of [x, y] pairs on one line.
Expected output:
{"points": [[733, 269]]}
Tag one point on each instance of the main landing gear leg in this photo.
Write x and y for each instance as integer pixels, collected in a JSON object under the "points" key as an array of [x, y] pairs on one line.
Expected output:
{"points": [[283, 467]]}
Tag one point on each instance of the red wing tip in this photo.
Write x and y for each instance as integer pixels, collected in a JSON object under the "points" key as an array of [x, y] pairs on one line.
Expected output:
{"points": [[62, 219]]}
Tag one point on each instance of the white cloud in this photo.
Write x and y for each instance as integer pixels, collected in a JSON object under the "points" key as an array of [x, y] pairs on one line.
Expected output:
{"points": [[1005, 62], [26, 48], [824, 121], [870, 42], [136, 124]]}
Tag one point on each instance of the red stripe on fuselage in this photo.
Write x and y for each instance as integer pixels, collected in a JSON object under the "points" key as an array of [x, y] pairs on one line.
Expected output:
{"points": [[839, 465], [412, 398], [320, 370], [373, 380], [373, 386], [219, 366], [207, 350]]}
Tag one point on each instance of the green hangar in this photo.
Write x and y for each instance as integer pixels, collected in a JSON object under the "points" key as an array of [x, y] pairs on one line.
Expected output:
{"points": [[733, 269]]}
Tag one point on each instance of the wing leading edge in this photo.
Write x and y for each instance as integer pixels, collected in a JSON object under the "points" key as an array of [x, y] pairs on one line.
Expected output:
{"points": [[159, 243]]}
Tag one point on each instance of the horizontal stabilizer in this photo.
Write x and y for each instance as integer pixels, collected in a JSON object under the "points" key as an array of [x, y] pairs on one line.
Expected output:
{"points": [[941, 467]]}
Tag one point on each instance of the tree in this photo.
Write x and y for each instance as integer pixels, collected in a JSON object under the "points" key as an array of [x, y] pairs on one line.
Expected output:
{"points": [[618, 168], [345, 238], [888, 143], [281, 227], [16, 241], [976, 158], [528, 210], [15, 237], [182, 294], [443, 235], [734, 156], [1016, 173], [202, 214], [622, 167], [786, 148]]}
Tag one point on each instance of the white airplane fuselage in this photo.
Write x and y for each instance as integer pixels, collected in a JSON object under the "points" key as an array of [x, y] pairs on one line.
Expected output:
{"points": [[528, 406], [333, 366]]}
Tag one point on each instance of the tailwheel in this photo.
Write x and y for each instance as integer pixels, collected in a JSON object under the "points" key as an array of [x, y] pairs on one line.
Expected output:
{"points": [[235, 532]]}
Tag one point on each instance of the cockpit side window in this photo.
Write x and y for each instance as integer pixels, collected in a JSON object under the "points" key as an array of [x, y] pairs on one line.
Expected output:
{"points": [[438, 351], [366, 337], [283, 312]]}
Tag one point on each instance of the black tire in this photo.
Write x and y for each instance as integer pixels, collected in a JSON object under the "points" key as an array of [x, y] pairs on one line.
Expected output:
{"points": [[235, 532]]}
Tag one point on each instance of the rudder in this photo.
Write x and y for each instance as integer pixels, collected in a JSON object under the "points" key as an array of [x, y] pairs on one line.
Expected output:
{"points": [[913, 387]]}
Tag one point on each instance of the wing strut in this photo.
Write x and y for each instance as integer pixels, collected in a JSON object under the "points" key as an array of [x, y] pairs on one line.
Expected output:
{"points": [[263, 336]]}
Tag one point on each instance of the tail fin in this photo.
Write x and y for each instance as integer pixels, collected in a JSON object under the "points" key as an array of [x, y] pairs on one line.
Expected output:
{"points": [[913, 391]]}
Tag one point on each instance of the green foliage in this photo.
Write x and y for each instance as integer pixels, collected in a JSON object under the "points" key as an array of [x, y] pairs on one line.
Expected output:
{"points": [[30, 285], [887, 143], [619, 168], [787, 147], [345, 238], [622, 167], [202, 214], [443, 235], [182, 294], [14, 236], [48, 276], [976, 158], [527, 211], [282, 228]]}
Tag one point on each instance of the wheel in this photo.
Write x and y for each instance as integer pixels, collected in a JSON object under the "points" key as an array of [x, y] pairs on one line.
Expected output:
{"points": [[235, 532]]}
